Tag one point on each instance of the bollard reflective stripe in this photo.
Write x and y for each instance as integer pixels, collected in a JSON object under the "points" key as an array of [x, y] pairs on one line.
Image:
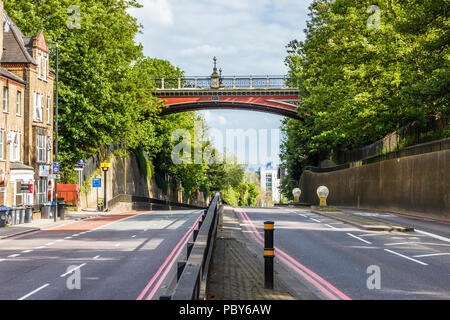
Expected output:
{"points": [[268, 225], [269, 252]]}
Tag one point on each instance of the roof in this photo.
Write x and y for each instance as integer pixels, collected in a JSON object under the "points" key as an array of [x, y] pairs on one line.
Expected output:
{"points": [[8, 74], [20, 166], [17, 47]]}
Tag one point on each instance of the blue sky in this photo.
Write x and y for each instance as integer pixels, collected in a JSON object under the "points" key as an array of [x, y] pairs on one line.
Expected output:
{"points": [[249, 37]]}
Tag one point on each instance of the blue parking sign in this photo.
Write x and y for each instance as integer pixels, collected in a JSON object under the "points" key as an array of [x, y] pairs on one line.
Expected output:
{"points": [[96, 183], [55, 167]]}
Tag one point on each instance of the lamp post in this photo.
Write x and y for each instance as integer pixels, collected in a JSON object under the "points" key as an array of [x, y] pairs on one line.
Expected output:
{"points": [[56, 126], [322, 193]]}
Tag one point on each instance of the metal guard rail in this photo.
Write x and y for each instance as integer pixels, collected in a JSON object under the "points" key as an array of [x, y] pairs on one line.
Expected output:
{"points": [[192, 282]]}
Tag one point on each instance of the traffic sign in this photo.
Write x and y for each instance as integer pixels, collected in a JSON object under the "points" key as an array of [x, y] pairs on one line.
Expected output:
{"points": [[105, 165], [79, 167], [96, 182], [82, 162], [55, 167]]}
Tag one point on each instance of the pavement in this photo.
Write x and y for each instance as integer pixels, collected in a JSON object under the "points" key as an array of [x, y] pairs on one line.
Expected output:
{"points": [[44, 224], [339, 261], [237, 268], [126, 256]]}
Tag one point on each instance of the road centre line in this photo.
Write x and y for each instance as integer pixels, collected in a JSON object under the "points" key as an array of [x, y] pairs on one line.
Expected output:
{"points": [[433, 235], [49, 244], [14, 255], [415, 242], [27, 251], [332, 227], [34, 291], [403, 256], [432, 255], [316, 220], [360, 239], [303, 215], [72, 270]]}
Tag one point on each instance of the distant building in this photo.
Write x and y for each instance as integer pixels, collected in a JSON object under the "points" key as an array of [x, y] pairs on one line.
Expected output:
{"points": [[270, 182], [26, 119]]}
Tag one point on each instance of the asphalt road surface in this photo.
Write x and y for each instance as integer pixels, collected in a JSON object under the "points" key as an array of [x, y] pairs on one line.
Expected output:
{"points": [[127, 257], [339, 261]]}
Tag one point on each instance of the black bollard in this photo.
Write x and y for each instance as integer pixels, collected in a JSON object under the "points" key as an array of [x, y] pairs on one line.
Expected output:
{"points": [[268, 254]]}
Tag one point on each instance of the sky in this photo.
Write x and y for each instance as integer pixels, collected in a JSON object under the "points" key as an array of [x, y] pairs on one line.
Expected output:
{"points": [[249, 37]]}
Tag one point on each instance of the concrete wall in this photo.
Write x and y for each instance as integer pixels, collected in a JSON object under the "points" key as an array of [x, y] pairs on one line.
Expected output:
{"points": [[418, 183], [124, 178]]}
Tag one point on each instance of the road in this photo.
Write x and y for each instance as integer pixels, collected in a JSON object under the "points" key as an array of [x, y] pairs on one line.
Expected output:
{"points": [[106, 258], [336, 260]]}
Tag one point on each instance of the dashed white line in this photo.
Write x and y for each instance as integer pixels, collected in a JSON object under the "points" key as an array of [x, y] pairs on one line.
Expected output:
{"points": [[360, 239], [432, 255], [415, 242], [50, 243], [68, 238], [2, 260], [40, 247], [409, 258], [26, 251], [303, 215], [316, 220], [34, 291], [433, 235], [118, 244], [72, 270], [332, 227], [133, 236], [96, 257], [14, 255], [59, 240]]}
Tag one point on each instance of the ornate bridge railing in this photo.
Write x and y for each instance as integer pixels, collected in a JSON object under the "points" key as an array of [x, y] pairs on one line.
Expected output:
{"points": [[250, 82]]}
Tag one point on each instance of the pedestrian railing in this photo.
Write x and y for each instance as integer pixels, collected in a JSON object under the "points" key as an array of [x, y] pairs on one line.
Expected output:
{"points": [[243, 82], [192, 274]]}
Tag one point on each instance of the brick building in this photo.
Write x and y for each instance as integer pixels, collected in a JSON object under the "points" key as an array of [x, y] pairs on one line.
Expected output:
{"points": [[26, 120]]}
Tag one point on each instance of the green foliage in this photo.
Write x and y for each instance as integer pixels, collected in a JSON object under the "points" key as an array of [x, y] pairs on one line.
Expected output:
{"points": [[358, 84]]}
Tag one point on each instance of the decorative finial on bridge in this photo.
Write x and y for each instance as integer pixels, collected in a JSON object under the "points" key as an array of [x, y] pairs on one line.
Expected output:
{"points": [[215, 65], [215, 76]]}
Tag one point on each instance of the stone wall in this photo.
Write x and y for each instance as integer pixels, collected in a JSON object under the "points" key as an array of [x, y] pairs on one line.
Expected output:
{"points": [[418, 183], [124, 178]]}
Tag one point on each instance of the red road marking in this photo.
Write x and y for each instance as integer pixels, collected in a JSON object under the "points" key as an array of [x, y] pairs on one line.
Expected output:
{"points": [[178, 248], [286, 257]]}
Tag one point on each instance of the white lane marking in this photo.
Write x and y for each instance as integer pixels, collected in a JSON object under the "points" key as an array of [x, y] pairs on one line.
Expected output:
{"points": [[360, 239], [316, 220], [68, 238], [332, 227], [26, 251], [34, 291], [96, 257], [415, 242], [75, 235], [336, 223], [49, 244], [373, 234], [72, 270], [14, 255], [2, 260], [403, 256], [40, 247], [117, 245], [133, 236], [433, 235], [59, 240], [303, 215], [432, 255]]}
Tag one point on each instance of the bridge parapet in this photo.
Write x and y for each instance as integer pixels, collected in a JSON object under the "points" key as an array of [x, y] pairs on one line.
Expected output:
{"points": [[205, 83]]}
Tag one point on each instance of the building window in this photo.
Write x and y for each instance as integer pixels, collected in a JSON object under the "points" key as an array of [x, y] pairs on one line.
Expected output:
{"points": [[5, 99], [41, 148], [18, 195], [49, 102], [19, 103], [2, 145], [268, 181], [41, 191], [45, 67], [39, 62], [38, 105], [15, 146]]}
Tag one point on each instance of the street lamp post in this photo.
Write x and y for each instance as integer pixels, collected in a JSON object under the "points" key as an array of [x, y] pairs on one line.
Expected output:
{"points": [[56, 126]]}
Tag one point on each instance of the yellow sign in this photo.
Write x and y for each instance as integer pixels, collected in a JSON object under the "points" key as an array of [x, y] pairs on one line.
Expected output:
{"points": [[323, 201], [296, 198], [105, 165]]}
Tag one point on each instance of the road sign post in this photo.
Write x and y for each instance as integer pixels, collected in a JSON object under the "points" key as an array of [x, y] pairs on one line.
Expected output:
{"points": [[105, 167], [55, 171], [97, 184]]}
